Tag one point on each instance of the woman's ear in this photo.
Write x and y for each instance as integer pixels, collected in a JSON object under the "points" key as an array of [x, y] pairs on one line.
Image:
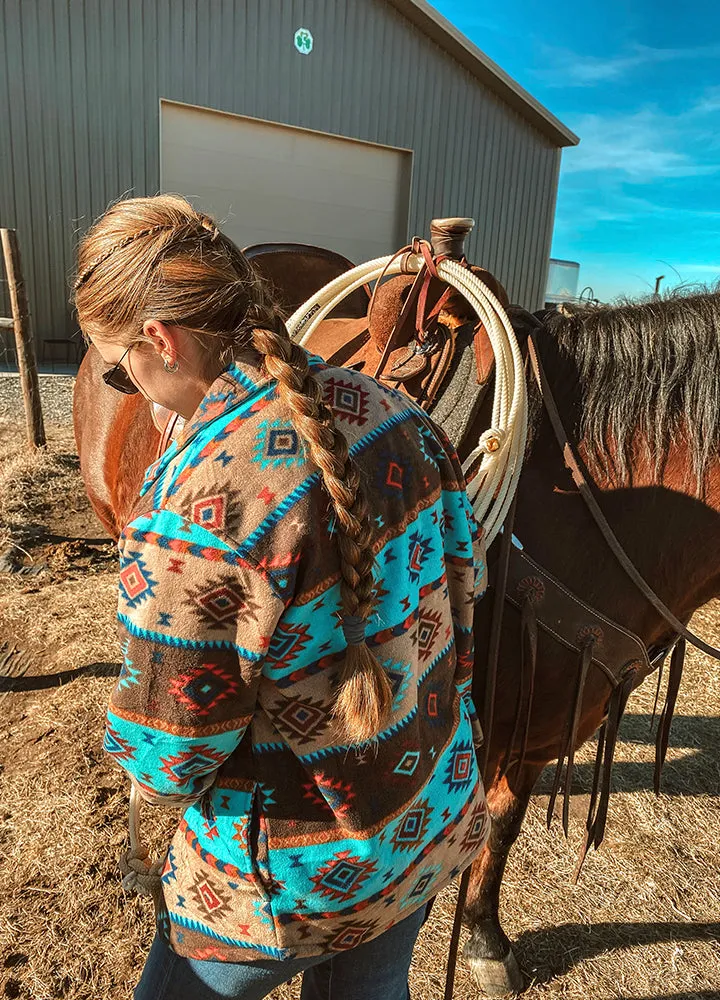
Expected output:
{"points": [[163, 338]]}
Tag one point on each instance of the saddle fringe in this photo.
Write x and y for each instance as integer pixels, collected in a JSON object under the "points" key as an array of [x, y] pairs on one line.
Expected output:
{"points": [[607, 741], [596, 820], [677, 661], [528, 668], [568, 748]]}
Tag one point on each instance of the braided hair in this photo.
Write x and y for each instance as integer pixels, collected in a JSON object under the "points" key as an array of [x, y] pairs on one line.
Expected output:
{"points": [[160, 258]]}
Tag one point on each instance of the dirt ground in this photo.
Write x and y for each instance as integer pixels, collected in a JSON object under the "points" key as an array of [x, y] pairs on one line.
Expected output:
{"points": [[644, 922]]}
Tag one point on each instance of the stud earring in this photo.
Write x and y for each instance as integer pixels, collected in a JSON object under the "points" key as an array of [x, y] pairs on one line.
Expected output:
{"points": [[171, 368]]}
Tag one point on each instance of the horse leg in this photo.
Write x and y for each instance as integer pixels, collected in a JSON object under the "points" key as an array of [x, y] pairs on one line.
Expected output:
{"points": [[488, 952]]}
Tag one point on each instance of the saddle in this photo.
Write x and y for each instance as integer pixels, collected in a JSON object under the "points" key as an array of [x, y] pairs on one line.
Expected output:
{"points": [[422, 337], [417, 335]]}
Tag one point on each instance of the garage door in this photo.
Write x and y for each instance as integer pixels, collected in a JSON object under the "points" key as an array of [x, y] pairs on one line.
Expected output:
{"points": [[270, 182]]}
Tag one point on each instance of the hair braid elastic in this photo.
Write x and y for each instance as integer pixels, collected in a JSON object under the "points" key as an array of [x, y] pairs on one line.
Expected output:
{"points": [[364, 699]]}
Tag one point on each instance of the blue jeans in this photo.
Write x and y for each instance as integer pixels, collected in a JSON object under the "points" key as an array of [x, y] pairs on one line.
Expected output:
{"points": [[377, 970]]}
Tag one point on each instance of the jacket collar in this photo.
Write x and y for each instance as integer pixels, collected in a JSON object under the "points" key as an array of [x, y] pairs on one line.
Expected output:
{"points": [[237, 386]]}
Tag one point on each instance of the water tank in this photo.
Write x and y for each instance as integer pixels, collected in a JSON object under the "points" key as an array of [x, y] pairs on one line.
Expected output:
{"points": [[563, 277]]}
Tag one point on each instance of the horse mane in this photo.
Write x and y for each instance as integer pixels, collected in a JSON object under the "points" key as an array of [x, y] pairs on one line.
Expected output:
{"points": [[650, 376]]}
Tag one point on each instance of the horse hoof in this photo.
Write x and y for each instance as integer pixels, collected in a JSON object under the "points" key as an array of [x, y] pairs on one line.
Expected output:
{"points": [[496, 977]]}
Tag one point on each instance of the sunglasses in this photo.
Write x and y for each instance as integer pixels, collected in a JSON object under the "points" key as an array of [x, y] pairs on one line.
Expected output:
{"points": [[117, 378]]}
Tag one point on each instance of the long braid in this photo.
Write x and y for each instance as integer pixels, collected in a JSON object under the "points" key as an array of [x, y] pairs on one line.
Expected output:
{"points": [[365, 696], [150, 257]]}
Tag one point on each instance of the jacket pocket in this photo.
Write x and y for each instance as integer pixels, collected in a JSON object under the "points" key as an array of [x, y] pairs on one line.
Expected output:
{"points": [[257, 845]]}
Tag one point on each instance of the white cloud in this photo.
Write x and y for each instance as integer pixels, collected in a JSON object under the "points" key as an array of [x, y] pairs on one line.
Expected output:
{"points": [[709, 103], [565, 68], [644, 145]]}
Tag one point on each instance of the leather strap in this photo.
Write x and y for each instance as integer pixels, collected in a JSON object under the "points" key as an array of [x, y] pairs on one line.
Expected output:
{"points": [[528, 667], [425, 283], [677, 661], [408, 305], [585, 662], [496, 629], [573, 464], [616, 709], [590, 819], [371, 306], [455, 937]]}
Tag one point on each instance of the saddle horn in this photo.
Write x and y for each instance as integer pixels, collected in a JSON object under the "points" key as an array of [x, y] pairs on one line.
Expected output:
{"points": [[448, 236]]}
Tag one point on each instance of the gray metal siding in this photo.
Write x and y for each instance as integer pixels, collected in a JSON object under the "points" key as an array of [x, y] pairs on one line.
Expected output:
{"points": [[82, 81]]}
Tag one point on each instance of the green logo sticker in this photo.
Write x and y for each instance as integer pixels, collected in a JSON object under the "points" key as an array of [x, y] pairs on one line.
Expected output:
{"points": [[303, 41]]}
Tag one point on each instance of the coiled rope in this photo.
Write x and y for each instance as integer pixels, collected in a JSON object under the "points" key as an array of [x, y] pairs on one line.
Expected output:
{"points": [[501, 447]]}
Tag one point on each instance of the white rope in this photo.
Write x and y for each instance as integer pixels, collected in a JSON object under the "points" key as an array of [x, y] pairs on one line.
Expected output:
{"points": [[501, 447]]}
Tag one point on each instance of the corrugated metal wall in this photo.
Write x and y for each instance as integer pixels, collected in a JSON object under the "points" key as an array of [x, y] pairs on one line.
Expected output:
{"points": [[82, 81]]}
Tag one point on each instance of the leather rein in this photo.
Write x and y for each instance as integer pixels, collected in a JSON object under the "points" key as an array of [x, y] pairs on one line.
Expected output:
{"points": [[572, 463]]}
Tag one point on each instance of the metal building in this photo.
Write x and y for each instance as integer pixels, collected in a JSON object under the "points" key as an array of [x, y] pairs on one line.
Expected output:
{"points": [[346, 123]]}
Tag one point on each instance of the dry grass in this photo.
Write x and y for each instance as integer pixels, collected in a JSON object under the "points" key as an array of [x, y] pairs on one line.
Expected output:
{"points": [[644, 921], [33, 482]]}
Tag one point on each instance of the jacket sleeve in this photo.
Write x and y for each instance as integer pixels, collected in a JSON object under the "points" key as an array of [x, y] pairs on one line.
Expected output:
{"points": [[195, 622]]}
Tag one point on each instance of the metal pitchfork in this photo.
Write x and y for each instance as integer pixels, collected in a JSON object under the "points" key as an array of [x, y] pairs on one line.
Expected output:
{"points": [[14, 663]]}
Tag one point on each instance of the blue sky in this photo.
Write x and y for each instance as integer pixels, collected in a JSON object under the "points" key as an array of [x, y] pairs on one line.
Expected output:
{"points": [[639, 82]]}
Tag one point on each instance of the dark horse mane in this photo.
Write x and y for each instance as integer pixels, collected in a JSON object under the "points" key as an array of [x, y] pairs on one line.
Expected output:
{"points": [[650, 377]]}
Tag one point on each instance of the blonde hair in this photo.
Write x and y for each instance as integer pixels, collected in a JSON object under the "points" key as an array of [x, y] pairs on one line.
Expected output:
{"points": [[158, 258]]}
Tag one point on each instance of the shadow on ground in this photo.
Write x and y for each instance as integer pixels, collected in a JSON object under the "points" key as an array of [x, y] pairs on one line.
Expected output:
{"points": [[552, 951], [41, 682], [698, 773]]}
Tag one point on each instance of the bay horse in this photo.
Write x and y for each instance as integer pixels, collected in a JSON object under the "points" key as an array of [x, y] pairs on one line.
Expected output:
{"points": [[637, 385]]}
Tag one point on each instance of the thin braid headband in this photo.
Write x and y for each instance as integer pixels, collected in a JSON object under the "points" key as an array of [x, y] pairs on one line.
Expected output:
{"points": [[83, 277]]}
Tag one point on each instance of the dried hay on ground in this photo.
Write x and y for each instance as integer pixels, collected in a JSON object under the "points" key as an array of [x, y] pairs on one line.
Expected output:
{"points": [[32, 482], [643, 922]]}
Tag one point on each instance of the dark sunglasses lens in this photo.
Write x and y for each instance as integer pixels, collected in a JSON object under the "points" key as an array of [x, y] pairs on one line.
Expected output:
{"points": [[119, 379]]}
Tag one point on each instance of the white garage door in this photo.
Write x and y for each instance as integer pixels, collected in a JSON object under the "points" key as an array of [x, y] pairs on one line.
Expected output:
{"points": [[273, 183]]}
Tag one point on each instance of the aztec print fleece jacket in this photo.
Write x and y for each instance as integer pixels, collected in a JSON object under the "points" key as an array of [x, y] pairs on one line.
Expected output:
{"points": [[229, 611]]}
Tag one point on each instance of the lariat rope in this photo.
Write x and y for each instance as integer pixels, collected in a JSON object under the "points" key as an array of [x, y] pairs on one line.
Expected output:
{"points": [[501, 448]]}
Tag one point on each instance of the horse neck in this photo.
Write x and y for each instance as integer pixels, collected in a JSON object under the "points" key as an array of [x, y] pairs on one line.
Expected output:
{"points": [[116, 441], [671, 536]]}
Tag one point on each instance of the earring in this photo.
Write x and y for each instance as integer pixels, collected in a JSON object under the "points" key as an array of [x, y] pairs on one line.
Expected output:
{"points": [[171, 368]]}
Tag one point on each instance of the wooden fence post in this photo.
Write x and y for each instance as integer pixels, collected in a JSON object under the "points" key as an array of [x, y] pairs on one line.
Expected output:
{"points": [[24, 345]]}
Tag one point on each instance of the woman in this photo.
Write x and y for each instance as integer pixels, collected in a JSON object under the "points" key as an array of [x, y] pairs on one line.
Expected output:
{"points": [[296, 596]]}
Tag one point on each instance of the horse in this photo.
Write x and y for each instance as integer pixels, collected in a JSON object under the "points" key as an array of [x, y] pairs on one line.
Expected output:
{"points": [[592, 604], [636, 386]]}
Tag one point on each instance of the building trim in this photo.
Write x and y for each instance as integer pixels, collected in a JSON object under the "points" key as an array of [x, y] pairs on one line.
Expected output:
{"points": [[446, 35]]}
